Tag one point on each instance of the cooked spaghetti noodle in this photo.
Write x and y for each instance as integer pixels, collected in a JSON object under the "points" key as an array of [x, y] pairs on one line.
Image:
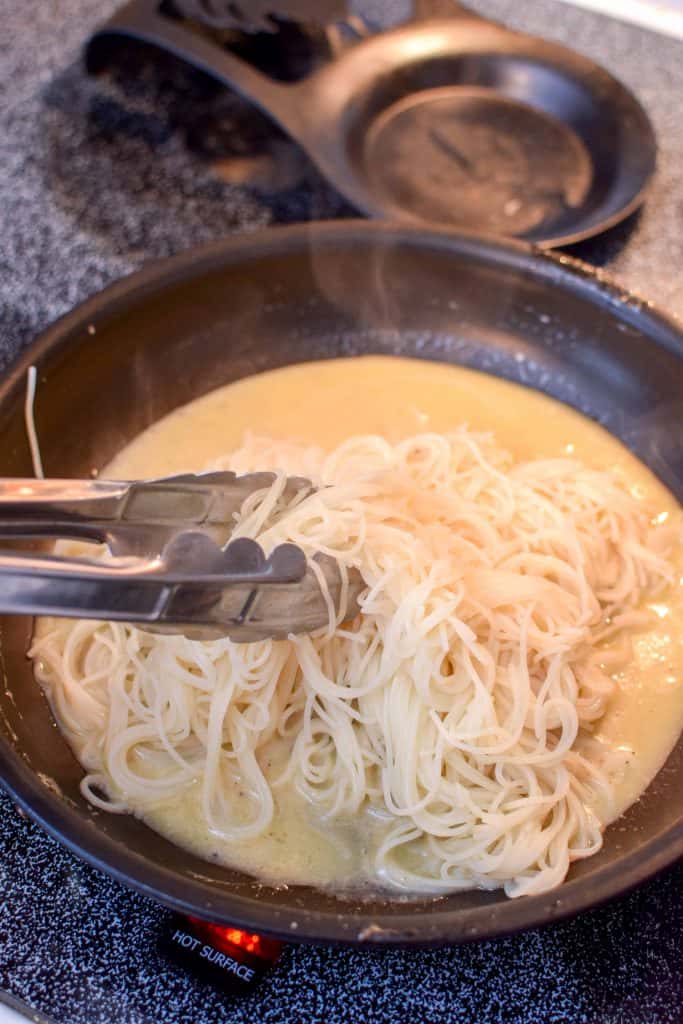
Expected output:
{"points": [[449, 709]]}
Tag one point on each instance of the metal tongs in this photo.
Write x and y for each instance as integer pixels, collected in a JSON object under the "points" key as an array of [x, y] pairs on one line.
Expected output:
{"points": [[173, 567]]}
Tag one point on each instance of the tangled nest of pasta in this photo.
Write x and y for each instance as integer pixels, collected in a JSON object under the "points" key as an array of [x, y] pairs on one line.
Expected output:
{"points": [[450, 706]]}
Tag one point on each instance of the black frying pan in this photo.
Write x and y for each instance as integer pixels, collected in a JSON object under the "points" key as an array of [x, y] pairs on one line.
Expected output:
{"points": [[452, 120], [180, 328]]}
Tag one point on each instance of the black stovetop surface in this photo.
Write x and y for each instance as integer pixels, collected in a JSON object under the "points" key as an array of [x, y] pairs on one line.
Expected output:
{"points": [[95, 178]]}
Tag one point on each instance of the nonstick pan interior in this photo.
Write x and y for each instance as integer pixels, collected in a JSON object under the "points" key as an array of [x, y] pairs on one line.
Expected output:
{"points": [[181, 328]]}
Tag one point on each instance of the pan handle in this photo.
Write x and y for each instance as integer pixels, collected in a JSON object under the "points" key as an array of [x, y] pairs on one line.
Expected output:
{"points": [[140, 20]]}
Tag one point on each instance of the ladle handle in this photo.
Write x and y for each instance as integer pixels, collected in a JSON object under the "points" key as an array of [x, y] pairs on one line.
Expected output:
{"points": [[140, 20]]}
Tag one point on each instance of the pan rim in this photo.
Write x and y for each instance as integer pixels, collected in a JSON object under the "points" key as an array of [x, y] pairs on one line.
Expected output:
{"points": [[188, 895]]}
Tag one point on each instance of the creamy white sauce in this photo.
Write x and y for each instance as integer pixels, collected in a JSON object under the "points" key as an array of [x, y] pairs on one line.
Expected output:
{"points": [[325, 402]]}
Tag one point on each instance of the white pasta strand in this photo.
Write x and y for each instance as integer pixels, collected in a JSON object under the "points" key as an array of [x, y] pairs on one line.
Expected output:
{"points": [[450, 707], [29, 420]]}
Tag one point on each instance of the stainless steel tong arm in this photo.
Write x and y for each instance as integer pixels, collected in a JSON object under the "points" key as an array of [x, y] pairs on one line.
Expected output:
{"points": [[172, 565], [129, 515]]}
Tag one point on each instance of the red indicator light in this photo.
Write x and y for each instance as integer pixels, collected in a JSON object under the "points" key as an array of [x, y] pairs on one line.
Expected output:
{"points": [[226, 939], [222, 954]]}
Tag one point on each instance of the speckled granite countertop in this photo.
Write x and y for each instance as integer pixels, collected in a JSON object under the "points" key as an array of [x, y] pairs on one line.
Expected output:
{"points": [[95, 178]]}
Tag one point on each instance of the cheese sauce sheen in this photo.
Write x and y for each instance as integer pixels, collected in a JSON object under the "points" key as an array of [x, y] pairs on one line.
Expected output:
{"points": [[325, 402]]}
